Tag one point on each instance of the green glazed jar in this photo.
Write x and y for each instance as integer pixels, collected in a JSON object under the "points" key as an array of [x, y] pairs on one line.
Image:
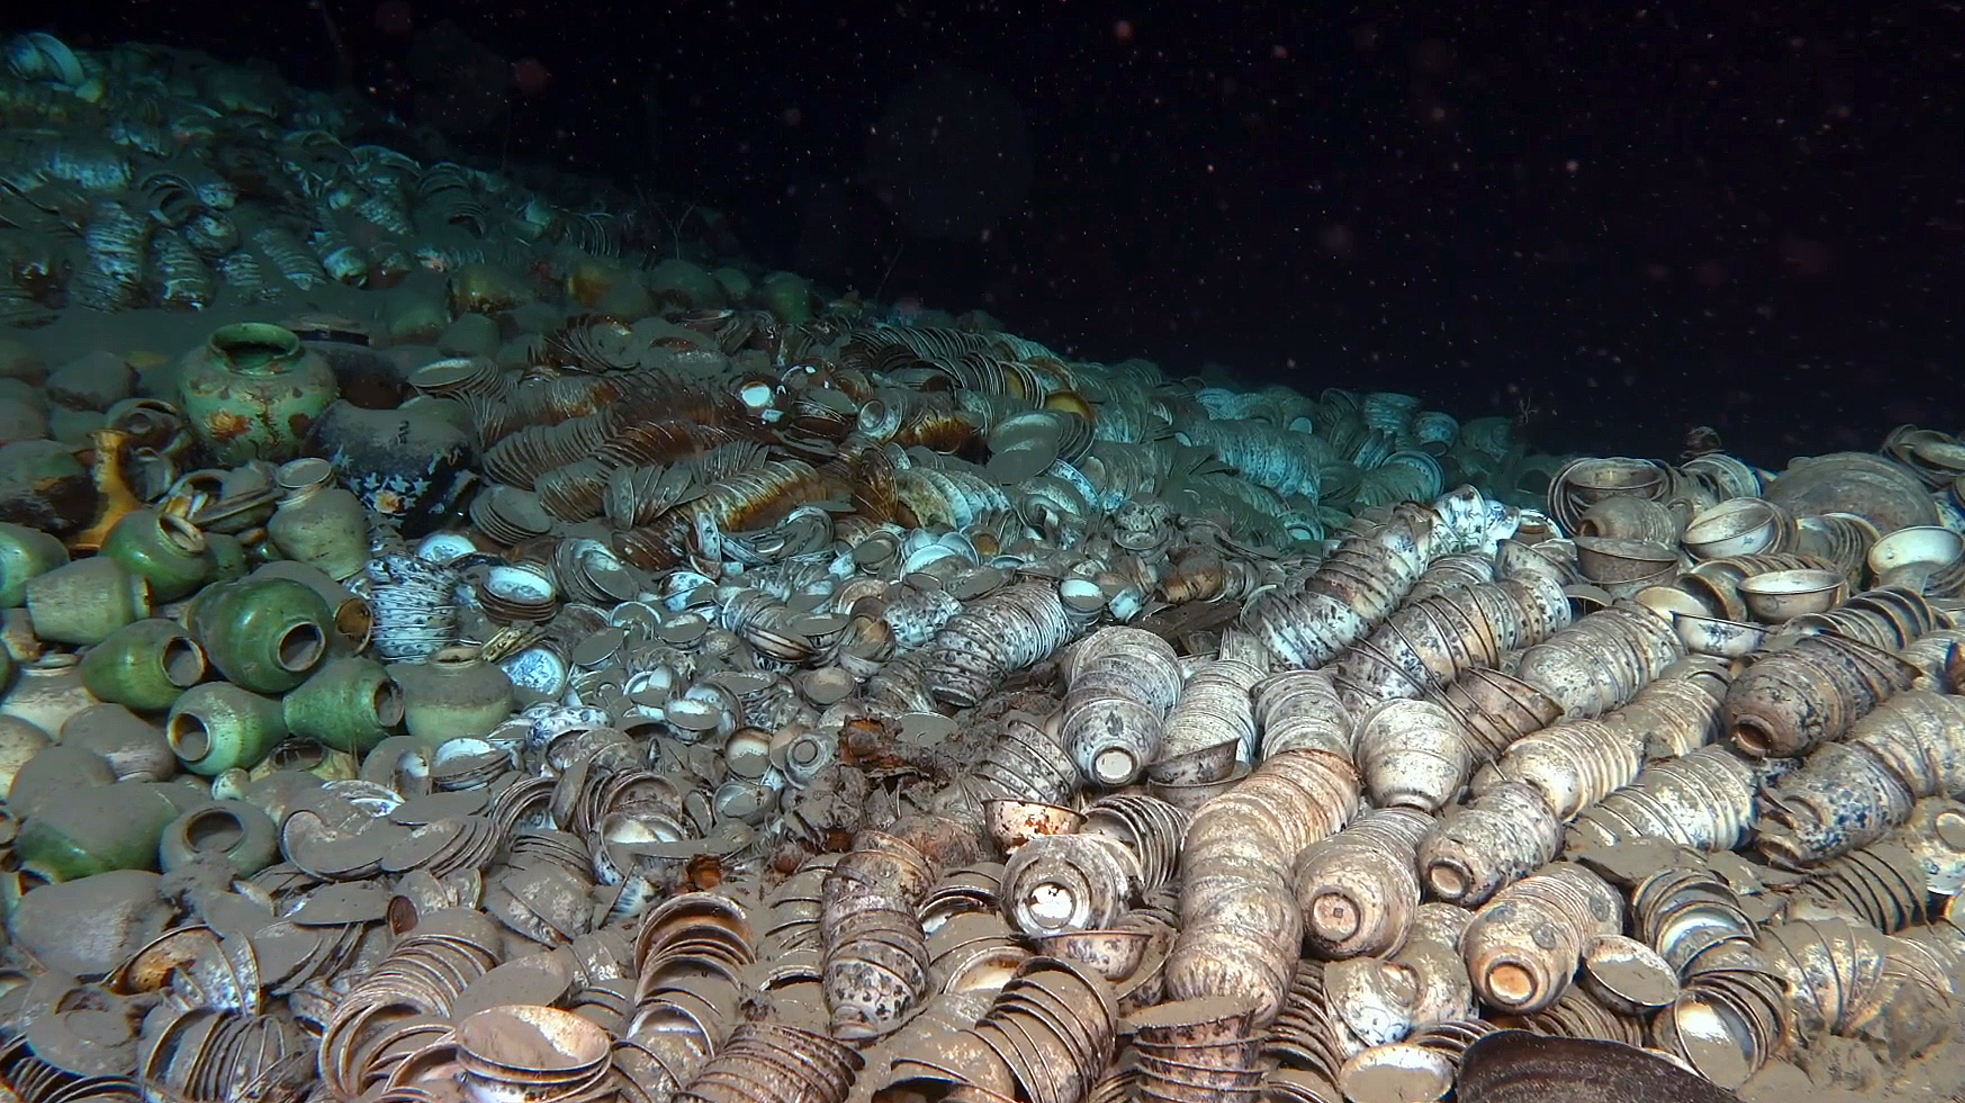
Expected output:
{"points": [[319, 523], [354, 617], [265, 634], [454, 694], [166, 551], [84, 601], [144, 664], [348, 704], [216, 726], [243, 834], [98, 829], [25, 553], [252, 391]]}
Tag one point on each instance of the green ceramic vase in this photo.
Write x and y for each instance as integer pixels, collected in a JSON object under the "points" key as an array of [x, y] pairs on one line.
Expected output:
{"points": [[216, 726], [252, 391], [25, 553], [103, 828], [144, 664], [84, 601], [166, 551], [319, 523], [265, 634], [454, 694], [244, 835], [348, 704]]}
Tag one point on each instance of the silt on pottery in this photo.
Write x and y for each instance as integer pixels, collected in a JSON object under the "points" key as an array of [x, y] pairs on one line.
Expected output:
{"points": [[144, 664], [102, 828], [57, 770], [456, 693], [84, 601], [253, 392], [166, 551], [308, 758], [319, 523], [19, 742], [240, 833], [25, 553], [265, 634], [216, 726], [134, 747], [348, 704]]}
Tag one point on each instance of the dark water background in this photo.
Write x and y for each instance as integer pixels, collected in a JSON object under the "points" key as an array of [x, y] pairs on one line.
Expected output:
{"points": [[1624, 219]]}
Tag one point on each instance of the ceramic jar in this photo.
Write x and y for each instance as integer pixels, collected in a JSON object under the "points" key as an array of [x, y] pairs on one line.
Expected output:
{"points": [[348, 704], [253, 392], [216, 726], [456, 693], [24, 554], [317, 522], [167, 552], [264, 634], [20, 741], [242, 834], [134, 747], [94, 830], [48, 691], [354, 617], [144, 664], [410, 464], [84, 601]]}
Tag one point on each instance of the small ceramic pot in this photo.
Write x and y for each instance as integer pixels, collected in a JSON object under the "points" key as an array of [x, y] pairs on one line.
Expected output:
{"points": [[216, 726], [245, 836], [84, 601], [348, 704], [456, 693], [164, 550], [265, 634], [319, 523], [24, 554], [144, 664]]}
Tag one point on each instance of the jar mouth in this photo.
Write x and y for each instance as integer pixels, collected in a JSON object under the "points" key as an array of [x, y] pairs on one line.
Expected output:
{"points": [[301, 647], [188, 736], [255, 347], [388, 702], [454, 656], [214, 829], [185, 664]]}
